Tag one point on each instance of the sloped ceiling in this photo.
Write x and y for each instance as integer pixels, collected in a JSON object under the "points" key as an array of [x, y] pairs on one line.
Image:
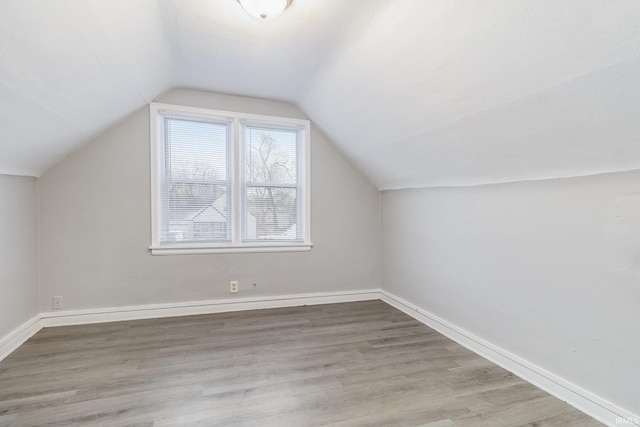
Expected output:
{"points": [[417, 93]]}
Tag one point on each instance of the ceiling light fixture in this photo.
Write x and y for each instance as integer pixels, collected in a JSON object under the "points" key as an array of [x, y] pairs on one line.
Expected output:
{"points": [[265, 9]]}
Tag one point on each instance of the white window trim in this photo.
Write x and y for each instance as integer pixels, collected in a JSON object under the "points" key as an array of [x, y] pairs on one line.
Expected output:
{"points": [[236, 245]]}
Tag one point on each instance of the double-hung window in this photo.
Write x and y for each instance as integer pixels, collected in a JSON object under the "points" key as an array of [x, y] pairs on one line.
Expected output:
{"points": [[228, 182]]}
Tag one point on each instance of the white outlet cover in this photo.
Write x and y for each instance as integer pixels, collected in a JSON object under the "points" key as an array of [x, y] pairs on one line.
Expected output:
{"points": [[57, 303]]}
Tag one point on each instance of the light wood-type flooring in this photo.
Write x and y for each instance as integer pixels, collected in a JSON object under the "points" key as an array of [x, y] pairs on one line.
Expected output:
{"points": [[352, 364]]}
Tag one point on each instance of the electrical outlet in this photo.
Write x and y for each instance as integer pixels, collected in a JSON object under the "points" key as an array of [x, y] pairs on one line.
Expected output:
{"points": [[57, 303], [233, 287]]}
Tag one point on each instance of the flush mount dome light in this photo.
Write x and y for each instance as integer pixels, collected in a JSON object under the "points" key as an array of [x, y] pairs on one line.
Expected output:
{"points": [[265, 9]]}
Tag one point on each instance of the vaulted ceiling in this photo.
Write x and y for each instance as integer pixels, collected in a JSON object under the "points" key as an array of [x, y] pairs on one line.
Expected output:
{"points": [[416, 93]]}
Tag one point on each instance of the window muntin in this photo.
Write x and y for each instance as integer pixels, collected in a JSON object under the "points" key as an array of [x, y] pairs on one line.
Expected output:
{"points": [[228, 182]]}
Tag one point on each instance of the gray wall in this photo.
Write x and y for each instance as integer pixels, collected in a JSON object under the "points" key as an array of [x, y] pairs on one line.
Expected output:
{"points": [[95, 226], [18, 252], [549, 270]]}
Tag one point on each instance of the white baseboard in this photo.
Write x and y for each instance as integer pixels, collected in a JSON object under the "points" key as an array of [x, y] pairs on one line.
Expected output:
{"points": [[21, 334], [115, 314], [583, 400], [587, 402]]}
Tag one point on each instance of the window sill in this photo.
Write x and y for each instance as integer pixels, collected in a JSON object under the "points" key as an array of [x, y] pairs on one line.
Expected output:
{"points": [[201, 249]]}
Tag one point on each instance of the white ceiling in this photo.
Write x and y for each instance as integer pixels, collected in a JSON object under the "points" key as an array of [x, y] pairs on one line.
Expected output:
{"points": [[417, 93]]}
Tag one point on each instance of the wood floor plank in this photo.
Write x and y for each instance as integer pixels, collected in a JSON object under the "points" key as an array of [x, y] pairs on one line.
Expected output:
{"points": [[351, 364]]}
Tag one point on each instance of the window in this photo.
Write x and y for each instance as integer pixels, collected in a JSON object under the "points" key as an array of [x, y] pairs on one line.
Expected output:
{"points": [[228, 182]]}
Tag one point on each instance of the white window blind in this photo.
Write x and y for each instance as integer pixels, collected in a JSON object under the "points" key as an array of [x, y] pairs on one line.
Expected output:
{"points": [[195, 181]]}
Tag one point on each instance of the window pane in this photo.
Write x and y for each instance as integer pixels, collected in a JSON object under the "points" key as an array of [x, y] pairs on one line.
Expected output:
{"points": [[196, 212], [271, 214], [196, 150], [270, 155], [195, 184]]}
